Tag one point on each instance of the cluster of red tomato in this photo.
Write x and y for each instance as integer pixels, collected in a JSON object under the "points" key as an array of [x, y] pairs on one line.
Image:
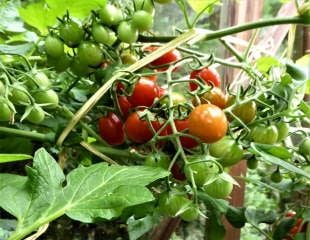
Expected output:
{"points": [[298, 227]]}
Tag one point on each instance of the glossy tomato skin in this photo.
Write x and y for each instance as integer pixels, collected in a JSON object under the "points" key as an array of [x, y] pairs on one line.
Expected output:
{"points": [[182, 125], [265, 134], [215, 96], [227, 150], [245, 112], [144, 93], [208, 75], [111, 129], [124, 105], [138, 130], [219, 188], [165, 59], [207, 122]]}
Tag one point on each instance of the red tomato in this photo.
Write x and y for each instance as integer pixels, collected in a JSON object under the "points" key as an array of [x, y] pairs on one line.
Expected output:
{"points": [[111, 129], [182, 125], [124, 105], [165, 59], [120, 87], [138, 130], [208, 75]]}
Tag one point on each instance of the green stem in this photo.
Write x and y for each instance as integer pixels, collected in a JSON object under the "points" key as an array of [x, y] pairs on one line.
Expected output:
{"points": [[49, 137], [233, 30]]}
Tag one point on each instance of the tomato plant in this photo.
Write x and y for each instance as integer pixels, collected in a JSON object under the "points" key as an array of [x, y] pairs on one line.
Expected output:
{"points": [[219, 188], [166, 59], [71, 33], [265, 134], [208, 75], [111, 129]]}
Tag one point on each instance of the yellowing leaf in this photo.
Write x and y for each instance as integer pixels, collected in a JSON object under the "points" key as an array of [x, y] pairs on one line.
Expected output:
{"points": [[200, 5]]}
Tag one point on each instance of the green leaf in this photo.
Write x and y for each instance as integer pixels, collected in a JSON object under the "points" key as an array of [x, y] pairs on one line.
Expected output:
{"points": [[277, 161], [200, 5], [91, 193], [21, 49], [138, 227], [13, 157], [265, 63], [277, 151], [305, 108]]}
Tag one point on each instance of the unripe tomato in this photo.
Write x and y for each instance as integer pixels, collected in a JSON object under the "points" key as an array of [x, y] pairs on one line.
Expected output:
{"points": [[89, 54], [71, 33], [219, 188], [304, 147], [215, 96], [173, 205], [41, 81], [145, 5], [111, 129], [227, 150], [127, 33], [124, 105], [144, 93], [110, 15], [5, 112], [190, 214], [18, 96], [182, 125], [49, 99], [167, 58], [264, 134], [158, 159], [138, 130], [100, 34], [283, 130], [142, 20], [207, 122], [128, 58], [79, 68], [59, 64], [276, 176], [245, 112], [36, 115], [252, 163], [54, 47], [208, 75], [203, 172]]}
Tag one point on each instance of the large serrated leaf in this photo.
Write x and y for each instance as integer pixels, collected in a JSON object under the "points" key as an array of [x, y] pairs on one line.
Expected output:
{"points": [[96, 192]]}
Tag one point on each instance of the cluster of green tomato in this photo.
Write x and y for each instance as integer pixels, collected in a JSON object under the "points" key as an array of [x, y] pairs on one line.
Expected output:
{"points": [[31, 95], [89, 43]]}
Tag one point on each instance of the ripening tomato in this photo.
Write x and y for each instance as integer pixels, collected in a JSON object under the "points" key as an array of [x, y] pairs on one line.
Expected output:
{"points": [[290, 214], [181, 126], [124, 105], [207, 122], [54, 47], [246, 111], [138, 130], [167, 58], [146, 5], [208, 75], [219, 188], [173, 204], [144, 93], [111, 129], [19, 96], [276, 176], [215, 96]]}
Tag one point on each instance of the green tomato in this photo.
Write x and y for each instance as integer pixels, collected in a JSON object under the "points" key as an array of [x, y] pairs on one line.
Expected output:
{"points": [[128, 58], [127, 33], [112, 37], [89, 54], [163, 1], [203, 172], [304, 148], [276, 176], [19, 96], [252, 163], [2, 88], [110, 15], [158, 159], [219, 188], [36, 115], [38, 80], [5, 112], [283, 130], [265, 135], [227, 150], [142, 20], [49, 98], [100, 34], [60, 64], [173, 204], [79, 68], [54, 47], [190, 214], [71, 33], [246, 112], [145, 5]]}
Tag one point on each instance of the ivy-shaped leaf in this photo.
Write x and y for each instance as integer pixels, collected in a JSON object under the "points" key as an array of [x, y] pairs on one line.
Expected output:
{"points": [[91, 193]]}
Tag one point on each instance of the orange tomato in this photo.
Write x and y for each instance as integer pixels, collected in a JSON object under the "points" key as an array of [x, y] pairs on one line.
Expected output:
{"points": [[215, 96]]}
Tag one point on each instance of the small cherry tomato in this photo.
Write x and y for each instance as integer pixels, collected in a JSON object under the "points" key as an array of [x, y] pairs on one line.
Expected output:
{"points": [[124, 105], [215, 96], [283, 130], [245, 112], [111, 129], [208, 122], [110, 15], [158, 159], [219, 188], [304, 148], [208, 75], [167, 58], [146, 5], [144, 93], [5, 112], [177, 172], [265, 135]]}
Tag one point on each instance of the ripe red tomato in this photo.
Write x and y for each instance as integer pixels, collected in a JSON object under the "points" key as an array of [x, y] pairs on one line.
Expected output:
{"points": [[144, 93], [208, 75], [111, 129], [138, 130], [207, 122], [182, 125], [124, 105], [165, 59]]}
